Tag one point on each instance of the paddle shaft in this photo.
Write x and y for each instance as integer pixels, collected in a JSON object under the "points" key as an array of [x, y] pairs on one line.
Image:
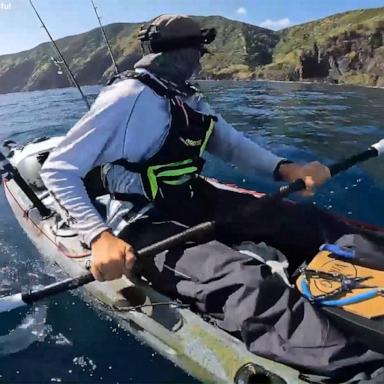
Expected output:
{"points": [[72, 283], [374, 151]]}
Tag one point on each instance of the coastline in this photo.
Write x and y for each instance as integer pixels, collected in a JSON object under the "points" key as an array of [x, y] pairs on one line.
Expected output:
{"points": [[295, 82], [219, 80]]}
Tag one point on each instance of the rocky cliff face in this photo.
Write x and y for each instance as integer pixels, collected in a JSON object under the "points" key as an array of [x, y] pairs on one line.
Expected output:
{"points": [[353, 58], [344, 48], [356, 57]]}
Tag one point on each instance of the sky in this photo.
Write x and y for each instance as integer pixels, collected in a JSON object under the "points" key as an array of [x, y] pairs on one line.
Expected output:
{"points": [[20, 30]]}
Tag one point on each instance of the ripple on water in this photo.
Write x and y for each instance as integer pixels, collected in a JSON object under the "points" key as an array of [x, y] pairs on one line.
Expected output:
{"points": [[32, 328]]}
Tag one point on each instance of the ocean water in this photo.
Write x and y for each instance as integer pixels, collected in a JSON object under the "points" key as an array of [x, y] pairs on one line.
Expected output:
{"points": [[65, 339]]}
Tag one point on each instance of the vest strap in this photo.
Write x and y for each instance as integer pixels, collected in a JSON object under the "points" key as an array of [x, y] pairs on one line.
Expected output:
{"points": [[162, 87]]}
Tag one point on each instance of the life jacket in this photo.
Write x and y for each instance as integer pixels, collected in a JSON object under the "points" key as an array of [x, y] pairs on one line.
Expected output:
{"points": [[171, 172]]}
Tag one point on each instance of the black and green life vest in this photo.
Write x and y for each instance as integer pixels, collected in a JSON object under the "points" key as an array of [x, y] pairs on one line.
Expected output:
{"points": [[172, 170]]}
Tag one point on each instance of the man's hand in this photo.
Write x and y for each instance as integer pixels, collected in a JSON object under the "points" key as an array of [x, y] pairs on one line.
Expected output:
{"points": [[314, 174], [112, 257]]}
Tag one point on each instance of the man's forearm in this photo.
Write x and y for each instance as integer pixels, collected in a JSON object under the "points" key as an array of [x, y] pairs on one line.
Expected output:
{"points": [[73, 203]]}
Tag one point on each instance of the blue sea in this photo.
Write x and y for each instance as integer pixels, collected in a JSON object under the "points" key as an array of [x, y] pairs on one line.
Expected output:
{"points": [[65, 339]]}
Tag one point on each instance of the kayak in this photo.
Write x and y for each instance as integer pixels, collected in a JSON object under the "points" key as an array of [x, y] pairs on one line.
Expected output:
{"points": [[170, 327], [204, 351]]}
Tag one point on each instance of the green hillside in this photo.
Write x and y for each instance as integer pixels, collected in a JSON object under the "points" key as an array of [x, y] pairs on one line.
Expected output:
{"points": [[85, 53], [237, 50], [344, 48]]}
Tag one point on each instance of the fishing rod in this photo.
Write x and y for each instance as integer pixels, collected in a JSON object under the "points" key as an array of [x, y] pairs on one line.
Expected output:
{"points": [[63, 61], [117, 71]]}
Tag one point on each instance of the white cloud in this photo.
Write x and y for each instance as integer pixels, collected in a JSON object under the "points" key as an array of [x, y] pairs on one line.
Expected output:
{"points": [[241, 11], [276, 24]]}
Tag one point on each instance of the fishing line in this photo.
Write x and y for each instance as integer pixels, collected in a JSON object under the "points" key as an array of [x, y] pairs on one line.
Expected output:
{"points": [[70, 74], [117, 71]]}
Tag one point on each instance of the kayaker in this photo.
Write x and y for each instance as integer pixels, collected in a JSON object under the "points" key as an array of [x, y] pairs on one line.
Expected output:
{"points": [[130, 121], [143, 139]]}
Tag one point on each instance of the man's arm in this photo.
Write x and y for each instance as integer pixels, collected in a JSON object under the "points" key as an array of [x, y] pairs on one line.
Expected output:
{"points": [[84, 147], [232, 146], [100, 137]]}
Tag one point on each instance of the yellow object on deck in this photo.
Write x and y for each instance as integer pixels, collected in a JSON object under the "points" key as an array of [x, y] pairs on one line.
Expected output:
{"points": [[318, 286]]}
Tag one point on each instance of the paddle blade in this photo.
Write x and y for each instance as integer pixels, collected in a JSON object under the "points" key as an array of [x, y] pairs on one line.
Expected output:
{"points": [[8, 303]]}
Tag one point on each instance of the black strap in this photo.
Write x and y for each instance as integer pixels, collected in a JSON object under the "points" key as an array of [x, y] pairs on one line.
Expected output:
{"points": [[162, 87], [93, 183], [135, 198]]}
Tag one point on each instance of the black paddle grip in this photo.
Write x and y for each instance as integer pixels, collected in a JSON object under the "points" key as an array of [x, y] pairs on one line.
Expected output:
{"points": [[285, 190], [334, 169]]}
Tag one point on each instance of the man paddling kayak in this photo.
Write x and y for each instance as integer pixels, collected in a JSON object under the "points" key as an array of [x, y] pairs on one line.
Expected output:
{"points": [[143, 140], [130, 122]]}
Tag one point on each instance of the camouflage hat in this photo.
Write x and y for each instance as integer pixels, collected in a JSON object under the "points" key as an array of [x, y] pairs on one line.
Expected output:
{"points": [[170, 32]]}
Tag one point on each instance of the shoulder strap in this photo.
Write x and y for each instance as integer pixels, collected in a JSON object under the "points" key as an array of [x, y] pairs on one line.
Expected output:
{"points": [[161, 86]]}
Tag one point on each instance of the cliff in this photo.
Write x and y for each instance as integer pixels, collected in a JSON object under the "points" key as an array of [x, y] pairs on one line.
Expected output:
{"points": [[344, 48]]}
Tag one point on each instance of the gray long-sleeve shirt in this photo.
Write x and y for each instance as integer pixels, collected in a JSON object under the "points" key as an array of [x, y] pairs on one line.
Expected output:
{"points": [[129, 120]]}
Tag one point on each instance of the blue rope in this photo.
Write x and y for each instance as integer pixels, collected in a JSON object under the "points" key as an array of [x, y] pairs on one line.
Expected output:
{"points": [[338, 302]]}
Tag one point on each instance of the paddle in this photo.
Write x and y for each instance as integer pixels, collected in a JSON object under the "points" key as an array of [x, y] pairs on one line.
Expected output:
{"points": [[18, 300], [374, 150], [9, 303]]}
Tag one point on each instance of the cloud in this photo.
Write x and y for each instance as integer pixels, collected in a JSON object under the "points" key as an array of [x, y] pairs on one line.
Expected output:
{"points": [[276, 24], [241, 11]]}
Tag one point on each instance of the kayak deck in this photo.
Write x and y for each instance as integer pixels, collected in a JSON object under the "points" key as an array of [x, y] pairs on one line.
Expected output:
{"points": [[174, 331]]}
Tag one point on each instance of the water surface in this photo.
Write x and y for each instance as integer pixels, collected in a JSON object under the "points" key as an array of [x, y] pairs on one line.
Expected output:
{"points": [[66, 340]]}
